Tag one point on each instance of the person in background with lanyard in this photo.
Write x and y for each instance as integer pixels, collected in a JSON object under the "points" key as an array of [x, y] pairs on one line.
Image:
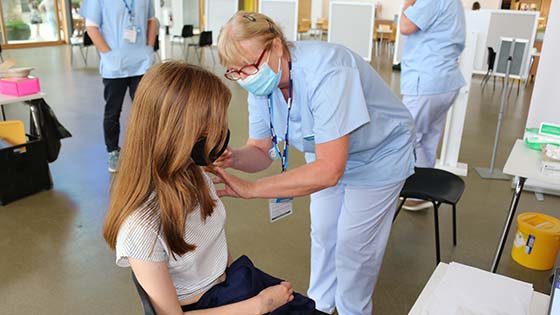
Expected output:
{"points": [[326, 101], [124, 32], [430, 76]]}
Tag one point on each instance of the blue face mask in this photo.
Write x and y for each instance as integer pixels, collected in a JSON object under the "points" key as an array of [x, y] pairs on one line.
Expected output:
{"points": [[264, 81]]}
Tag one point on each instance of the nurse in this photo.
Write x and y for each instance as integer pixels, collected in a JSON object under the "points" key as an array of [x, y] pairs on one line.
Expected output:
{"points": [[430, 76], [326, 101]]}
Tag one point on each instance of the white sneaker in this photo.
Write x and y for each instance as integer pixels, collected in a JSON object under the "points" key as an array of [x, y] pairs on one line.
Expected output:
{"points": [[113, 161]]}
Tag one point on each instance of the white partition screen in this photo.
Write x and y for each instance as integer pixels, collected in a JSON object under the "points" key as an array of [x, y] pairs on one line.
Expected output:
{"points": [[351, 25], [284, 13], [217, 13], [493, 24]]}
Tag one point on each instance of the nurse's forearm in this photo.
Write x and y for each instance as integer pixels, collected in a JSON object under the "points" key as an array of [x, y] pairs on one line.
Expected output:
{"points": [[97, 39], [151, 39], [300, 181], [250, 159]]}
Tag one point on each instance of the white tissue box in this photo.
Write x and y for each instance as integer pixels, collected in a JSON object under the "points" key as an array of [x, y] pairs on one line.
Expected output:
{"points": [[550, 168]]}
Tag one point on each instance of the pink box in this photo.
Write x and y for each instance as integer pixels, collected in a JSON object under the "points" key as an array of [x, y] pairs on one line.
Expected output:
{"points": [[19, 86]]}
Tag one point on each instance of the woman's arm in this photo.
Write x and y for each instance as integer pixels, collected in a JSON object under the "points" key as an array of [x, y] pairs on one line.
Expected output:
{"points": [[155, 279], [324, 172]]}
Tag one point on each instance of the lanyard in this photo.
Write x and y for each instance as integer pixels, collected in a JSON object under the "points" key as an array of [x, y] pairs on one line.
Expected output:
{"points": [[130, 9], [284, 154]]}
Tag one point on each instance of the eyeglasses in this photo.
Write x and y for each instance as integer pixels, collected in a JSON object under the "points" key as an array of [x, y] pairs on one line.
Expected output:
{"points": [[234, 75]]}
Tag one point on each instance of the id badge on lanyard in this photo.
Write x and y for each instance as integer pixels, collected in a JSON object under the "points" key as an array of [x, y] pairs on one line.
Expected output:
{"points": [[131, 32], [280, 208]]}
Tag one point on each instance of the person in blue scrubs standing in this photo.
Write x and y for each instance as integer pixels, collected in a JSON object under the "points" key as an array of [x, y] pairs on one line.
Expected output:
{"points": [[124, 32], [430, 77], [324, 100]]}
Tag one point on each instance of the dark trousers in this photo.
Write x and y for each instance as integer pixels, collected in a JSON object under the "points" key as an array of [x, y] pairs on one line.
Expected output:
{"points": [[245, 281], [115, 90]]}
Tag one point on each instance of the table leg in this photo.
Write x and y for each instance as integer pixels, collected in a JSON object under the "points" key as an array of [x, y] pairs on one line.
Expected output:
{"points": [[3, 112], [35, 119], [511, 215]]}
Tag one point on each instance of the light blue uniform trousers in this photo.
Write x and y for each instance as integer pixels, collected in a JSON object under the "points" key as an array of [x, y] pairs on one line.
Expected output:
{"points": [[429, 113], [350, 227]]}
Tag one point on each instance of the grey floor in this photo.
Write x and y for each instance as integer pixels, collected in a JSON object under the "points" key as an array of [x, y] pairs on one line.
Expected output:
{"points": [[55, 261]]}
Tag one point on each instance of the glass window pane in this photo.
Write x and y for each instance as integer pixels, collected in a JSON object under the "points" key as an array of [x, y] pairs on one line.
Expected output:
{"points": [[28, 21]]}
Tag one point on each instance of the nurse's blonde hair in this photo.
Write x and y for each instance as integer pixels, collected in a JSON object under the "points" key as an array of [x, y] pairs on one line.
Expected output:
{"points": [[242, 26]]}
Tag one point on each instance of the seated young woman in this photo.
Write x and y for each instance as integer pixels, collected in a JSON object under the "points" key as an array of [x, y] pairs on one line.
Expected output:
{"points": [[165, 219]]}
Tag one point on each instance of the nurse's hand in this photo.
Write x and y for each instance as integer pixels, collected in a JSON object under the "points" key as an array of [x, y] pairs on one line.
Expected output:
{"points": [[233, 185], [225, 160]]}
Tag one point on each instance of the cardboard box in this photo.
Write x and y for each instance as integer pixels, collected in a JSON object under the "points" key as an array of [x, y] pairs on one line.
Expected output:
{"points": [[19, 86]]}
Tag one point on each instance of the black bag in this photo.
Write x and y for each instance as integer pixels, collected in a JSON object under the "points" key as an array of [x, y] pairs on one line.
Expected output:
{"points": [[51, 130]]}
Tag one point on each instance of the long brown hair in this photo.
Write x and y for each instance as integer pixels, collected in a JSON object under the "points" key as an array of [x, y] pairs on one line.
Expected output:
{"points": [[175, 105]]}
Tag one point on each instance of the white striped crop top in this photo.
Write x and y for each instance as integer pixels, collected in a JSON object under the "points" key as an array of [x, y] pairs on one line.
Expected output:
{"points": [[141, 237]]}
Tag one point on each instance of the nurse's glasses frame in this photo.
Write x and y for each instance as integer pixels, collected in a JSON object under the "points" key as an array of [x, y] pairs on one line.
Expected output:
{"points": [[234, 75]]}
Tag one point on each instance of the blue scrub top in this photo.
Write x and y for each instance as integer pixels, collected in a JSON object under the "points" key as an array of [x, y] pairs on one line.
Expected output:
{"points": [[124, 59], [336, 93], [430, 60]]}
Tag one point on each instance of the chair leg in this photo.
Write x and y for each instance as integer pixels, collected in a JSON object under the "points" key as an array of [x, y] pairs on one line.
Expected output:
{"points": [[454, 225], [399, 209], [86, 56], [213, 57], [485, 79], [494, 83], [436, 225]]}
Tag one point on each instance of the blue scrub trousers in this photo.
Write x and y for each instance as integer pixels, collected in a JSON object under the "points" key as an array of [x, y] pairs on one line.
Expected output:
{"points": [[350, 227]]}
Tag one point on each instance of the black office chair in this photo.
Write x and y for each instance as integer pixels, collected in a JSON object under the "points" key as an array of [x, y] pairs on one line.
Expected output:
{"points": [[438, 187], [205, 40], [491, 60], [144, 298]]}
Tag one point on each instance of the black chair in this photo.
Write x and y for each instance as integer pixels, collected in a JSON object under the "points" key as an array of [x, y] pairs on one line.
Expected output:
{"points": [[144, 298], [83, 44], [491, 60], [205, 40], [438, 187], [186, 33], [1, 58]]}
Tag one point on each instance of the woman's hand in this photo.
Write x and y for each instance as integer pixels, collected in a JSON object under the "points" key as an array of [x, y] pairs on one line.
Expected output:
{"points": [[233, 185], [226, 159], [273, 297]]}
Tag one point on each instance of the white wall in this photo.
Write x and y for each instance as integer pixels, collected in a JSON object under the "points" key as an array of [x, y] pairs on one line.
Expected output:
{"points": [[316, 10], [544, 103], [484, 4], [391, 7]]}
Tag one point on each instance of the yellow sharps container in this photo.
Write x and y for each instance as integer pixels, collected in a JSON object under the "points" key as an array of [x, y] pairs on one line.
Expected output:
{"points": [[537, 241]]}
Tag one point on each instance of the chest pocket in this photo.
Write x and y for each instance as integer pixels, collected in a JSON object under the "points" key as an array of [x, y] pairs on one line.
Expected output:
{"points": [[309, 144]]}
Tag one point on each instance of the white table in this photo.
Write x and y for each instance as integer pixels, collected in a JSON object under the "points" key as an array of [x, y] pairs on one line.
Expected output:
{"points": [[523, 163], [7, 99], [539, 303]]}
